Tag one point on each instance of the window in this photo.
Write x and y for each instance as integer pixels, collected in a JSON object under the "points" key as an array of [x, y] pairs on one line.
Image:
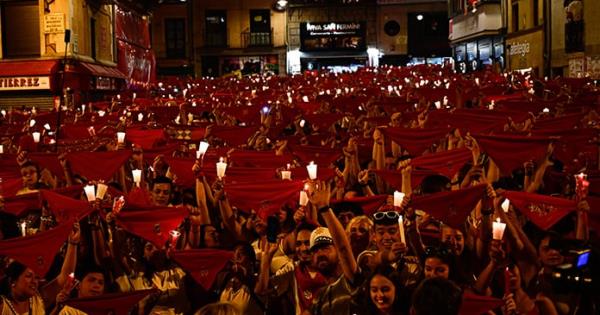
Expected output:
{"points": [[260, 28], [536, 12], [216, 28], [20, 29], [93, 37], [515, 17], [175, 37]]}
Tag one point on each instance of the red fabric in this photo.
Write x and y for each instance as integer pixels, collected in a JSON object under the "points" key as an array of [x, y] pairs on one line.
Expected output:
{"points": [[477, 305], [510, 152], [265, 197], [203, 264], [18, 205], [415, 141], [450, 207], [322, 156], [447, 163], [167, 150], [248, 114], [138, 198], [48, 161], [65, 208], [146, 138], [8, 165], [182, 168], [323, 173], [561, 123], [10, 185], [369, 204], [543, 211], [152, 225], [233, 136], [265, 159], [394, 178], [97, 165], [37, 251], [307, 284], [323, 121], [112, 303], [594, 214]]}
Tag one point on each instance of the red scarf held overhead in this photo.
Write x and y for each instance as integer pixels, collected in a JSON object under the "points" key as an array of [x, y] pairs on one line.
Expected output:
{"points": [[415, 141], [152, 225], [97, 165], [146, 138], [265, 197], [476, 304], [48, 161], [37, 251], [203, 264], [266, 159], [233, 136], [543, 211], [369, 204], [450, 207], [65, 208], [510, 152], [10, 185], [322, 156], [111, 303], [394, 178], [447, 163]]}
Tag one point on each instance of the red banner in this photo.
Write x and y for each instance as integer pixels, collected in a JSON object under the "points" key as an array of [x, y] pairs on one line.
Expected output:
{"points": [[132, 28], [136, 63]]}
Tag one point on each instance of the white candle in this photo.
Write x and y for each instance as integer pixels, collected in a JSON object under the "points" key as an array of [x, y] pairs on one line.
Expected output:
{"points": [[438, 105], [32, 123], [1, 149], [401, 229], [89, 192], [101, 190], [174, 235], [477, 81], [221, 167], [140, 117], [134, 96], [286, 175], [202, 148], [312, 170], [83, 108], [36, 137], [303, 198], [47, 126], [120, 137], [546, 110], [398, 198], [505, 205], [101, 113], [498, 229], [305, 99], [137, 177], [24, 228]]}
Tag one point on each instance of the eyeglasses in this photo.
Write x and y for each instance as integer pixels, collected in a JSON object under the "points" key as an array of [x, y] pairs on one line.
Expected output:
{"points": [[391, 215]]}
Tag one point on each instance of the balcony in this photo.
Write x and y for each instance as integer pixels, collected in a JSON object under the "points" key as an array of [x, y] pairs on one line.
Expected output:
{"points": [[257, 39], [216, 40]]}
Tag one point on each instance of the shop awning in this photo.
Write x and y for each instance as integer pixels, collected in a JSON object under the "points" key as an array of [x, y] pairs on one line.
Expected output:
{"points": [[28, 68], [102, 71]]}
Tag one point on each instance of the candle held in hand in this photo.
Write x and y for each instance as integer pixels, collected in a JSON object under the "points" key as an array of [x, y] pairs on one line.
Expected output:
{"points": [[498, 229]]}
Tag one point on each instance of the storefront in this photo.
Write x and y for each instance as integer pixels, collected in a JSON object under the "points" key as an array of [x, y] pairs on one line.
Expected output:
{"points": [[479, 53], [526, 50], [332, 45]]}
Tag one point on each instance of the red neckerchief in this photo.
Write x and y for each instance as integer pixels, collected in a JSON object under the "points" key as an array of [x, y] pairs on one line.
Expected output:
{"points": [[307, 286]]}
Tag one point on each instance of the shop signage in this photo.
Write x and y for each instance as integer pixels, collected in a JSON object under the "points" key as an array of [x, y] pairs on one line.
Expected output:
{"points": [[24, 83], [54, 23], [332, 36], [519, 49], [103, 83]]}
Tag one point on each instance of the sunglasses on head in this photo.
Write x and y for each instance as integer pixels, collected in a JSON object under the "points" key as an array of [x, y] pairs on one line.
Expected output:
{"points": [[386, 215]]}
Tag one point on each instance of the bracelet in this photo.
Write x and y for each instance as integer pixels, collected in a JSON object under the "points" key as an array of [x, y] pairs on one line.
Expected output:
{"points": [[323, 209]]}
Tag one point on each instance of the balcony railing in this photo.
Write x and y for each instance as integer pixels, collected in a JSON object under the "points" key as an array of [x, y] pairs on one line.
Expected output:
{"points": [[257, 39]]}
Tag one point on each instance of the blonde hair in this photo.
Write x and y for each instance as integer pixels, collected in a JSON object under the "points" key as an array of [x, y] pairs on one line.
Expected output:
{"points": [[361, 219], [219, 308]]}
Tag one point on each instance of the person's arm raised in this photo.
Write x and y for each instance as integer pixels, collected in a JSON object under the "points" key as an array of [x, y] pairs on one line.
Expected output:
{"points": [[320, 198]]}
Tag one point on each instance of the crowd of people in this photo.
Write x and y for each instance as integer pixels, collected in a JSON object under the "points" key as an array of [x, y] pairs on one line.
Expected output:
{"points": [[391, 190]]}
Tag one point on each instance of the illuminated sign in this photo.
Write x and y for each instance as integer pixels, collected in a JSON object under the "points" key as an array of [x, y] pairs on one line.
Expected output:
{"points": [[24, 83], [332, 36]]}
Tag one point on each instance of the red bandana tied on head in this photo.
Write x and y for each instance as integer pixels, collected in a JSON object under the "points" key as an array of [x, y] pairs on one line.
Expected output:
{"points": [[37, 251], [543, 211], [203, 264], [112, 303], [450, 207], [152, 225]]}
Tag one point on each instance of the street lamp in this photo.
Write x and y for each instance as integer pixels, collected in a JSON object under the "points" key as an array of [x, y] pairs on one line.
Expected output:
{"points": [[282, 3]]}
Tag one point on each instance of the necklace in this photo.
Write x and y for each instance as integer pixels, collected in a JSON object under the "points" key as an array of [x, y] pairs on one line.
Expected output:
{"points": [[12, 308]]}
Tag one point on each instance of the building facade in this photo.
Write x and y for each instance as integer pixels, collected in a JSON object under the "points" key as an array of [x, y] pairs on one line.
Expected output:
{"points": [[526, 40], [413, 31], [48, 47], [477, 34], [575, 38], [331, 34]]}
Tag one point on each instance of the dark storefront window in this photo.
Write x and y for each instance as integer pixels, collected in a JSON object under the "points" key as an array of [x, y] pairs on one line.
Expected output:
{"points": [[460, 53], [20, 29], [175, 38], [216, 28], [485, 51]]}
